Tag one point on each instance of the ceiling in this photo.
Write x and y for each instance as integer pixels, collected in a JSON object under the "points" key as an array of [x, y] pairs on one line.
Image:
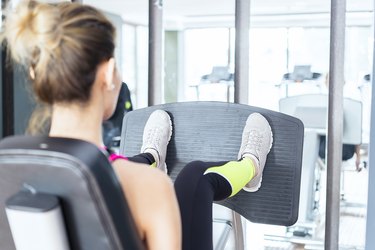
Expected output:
{"points": [[185, 11]]}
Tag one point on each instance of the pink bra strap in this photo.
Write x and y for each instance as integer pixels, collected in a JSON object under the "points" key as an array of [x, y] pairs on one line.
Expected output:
{"points": [[114, 157]]}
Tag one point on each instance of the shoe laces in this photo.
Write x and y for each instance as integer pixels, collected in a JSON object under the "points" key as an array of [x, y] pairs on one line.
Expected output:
{"points": [[254, 140], [153, 136]]}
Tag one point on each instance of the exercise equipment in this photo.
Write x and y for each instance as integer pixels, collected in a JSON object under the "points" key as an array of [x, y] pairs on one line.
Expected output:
{"points": [[74, 181]]}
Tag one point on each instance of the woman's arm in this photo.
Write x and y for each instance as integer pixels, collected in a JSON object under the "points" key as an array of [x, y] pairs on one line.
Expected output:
{"points": [[153, 203]]}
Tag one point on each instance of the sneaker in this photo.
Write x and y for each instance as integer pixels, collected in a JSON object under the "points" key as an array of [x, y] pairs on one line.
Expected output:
{"points": [[256, 144], [156, 135]]}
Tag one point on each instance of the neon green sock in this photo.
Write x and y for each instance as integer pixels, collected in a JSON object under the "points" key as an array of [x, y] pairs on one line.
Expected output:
{"points": [[237, 173], [153, 165]]}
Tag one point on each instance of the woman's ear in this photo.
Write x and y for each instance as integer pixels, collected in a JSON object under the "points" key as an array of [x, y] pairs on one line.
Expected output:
{"points": [[32, 73], [109, 72]]}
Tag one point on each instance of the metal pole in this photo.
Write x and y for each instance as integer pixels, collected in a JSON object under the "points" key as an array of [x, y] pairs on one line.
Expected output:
{"points": [[238, 231], [228, 225], [241, 66], [155, 52], [335, 123], [241, 86], [370, 221]]}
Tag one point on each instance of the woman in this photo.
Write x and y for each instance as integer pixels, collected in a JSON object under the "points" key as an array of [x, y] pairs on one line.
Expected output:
{"points": [[68, 49]]}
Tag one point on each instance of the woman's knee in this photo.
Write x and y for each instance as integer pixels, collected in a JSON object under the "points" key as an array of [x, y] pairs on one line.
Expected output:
{"points": [[196, 163], [192, 170]]}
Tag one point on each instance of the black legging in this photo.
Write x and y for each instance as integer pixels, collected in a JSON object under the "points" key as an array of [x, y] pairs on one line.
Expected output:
{"points": [[145, 158], [195, 194]]}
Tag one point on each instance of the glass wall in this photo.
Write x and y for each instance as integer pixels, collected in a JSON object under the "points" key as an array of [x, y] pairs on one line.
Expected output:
{"points": [[134, 60], [129, 58], [273, 53], [204, 49], [141, 67], [268, 63]]}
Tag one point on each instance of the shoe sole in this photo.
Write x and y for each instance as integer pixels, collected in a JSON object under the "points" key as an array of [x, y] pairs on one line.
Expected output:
{"points": [[164, 168], [171, 128], [256, 188]]}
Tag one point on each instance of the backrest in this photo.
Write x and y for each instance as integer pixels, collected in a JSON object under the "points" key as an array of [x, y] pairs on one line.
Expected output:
{"points": [[212, 131], [312, 109], [79, 174]]}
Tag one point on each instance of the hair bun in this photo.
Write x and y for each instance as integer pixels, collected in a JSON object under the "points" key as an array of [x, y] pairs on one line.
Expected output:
{"points": [[61, 45], [32, 31]]}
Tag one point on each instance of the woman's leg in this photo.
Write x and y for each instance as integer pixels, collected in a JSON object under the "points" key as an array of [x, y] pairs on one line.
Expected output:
{"points": [[156, 135], [197, 186], [200, 183], [145, 158]]}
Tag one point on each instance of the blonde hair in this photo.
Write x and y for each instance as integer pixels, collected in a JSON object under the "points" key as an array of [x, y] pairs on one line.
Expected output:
{"points": [[40, 120], [61, 44]]}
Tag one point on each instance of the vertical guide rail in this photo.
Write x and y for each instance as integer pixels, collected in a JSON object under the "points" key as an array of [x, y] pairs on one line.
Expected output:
{"points": [[238, 231], [370, 221], [335, 123], [241, 66], [155, 52], [241, 86]]}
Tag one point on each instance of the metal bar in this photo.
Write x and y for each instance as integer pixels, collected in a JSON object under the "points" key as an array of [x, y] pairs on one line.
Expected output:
{"points": [[287, 49], [241, 66], [238, 231], [370, 221], [229, 49], [155, 52], [241, 86], [223, 239], [335, 123]]}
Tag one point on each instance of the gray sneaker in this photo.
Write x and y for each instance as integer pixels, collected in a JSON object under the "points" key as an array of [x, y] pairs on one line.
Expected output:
{"points": [[156, 136], [256, 144]]}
